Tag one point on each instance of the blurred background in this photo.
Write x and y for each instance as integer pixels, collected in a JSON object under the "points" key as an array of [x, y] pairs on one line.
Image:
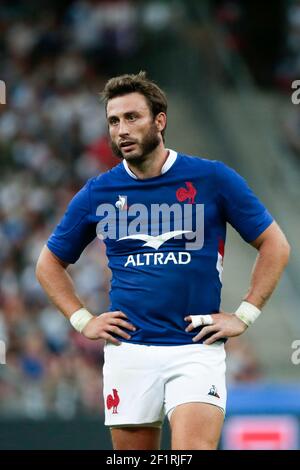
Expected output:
{"points": [[227, 68]]}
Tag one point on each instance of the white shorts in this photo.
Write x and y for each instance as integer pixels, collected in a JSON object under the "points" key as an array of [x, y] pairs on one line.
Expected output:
{"points": [[141, 384]]}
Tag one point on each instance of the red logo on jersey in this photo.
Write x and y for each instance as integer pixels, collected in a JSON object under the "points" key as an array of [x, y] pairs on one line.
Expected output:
{"points": [[189, 193], [112, 401], [221, 247]]}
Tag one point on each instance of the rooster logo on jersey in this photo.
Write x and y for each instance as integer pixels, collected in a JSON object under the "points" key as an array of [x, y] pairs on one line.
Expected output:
{"points": [[189, 193]]}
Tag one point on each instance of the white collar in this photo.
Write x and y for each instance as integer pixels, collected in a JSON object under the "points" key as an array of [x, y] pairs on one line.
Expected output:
{"points": [[166, 166]]}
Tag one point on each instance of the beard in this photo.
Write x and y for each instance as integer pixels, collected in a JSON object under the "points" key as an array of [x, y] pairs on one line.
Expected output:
{"points": [[147, 145]]}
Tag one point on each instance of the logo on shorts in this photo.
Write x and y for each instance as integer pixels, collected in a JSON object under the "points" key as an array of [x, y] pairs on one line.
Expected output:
{"points": [[189, 193], [112, 401], [213, 391]]}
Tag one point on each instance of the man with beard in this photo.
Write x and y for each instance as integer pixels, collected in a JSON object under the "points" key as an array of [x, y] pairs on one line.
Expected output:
{"points": [[164, 334]]}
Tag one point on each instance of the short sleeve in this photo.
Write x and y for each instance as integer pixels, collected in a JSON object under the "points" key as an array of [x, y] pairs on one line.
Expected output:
{"points": [[75, 230], [239, 205]]}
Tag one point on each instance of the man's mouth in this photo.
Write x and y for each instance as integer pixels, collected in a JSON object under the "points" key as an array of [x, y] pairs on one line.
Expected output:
{"points": [[127, 145]]}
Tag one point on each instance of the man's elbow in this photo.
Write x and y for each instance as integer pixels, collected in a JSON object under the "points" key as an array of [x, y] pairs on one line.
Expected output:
{"points": [[43, 264], [277, 248], [39, 268], [282, 249], [48, 265], [285, 252]]}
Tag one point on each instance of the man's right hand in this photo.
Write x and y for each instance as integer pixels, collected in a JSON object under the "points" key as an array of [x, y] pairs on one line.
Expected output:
{"points": [[102, 326]]}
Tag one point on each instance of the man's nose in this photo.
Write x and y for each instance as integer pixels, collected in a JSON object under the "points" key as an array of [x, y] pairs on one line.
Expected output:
{"points": [[123, 129]]}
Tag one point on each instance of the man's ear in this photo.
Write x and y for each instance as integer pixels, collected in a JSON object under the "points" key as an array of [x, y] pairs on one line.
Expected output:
{"points": [[161, 121]]}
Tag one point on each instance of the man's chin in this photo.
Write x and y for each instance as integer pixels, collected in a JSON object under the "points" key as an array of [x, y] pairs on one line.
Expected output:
{"points": [[131, 156]]}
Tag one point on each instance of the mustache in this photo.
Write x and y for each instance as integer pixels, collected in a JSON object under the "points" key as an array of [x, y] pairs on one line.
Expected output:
{"points": [[124, 142], [146, 144]]}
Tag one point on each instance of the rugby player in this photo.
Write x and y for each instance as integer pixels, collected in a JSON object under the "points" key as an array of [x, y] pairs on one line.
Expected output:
{"points": [[162, 216]]}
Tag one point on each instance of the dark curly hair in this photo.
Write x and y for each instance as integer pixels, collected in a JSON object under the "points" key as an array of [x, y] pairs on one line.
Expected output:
{"points": [[139, 83]]}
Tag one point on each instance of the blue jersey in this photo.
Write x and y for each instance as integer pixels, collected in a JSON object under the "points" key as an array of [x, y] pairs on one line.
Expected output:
{"points": [[164, 239]]}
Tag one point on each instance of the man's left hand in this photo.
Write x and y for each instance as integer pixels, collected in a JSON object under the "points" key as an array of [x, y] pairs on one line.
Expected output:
{"points": [[224, 325]]}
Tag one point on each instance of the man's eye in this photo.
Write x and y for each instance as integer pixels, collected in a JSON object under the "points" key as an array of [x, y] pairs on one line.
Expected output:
{"points": [[131, 117], [113, 122]]}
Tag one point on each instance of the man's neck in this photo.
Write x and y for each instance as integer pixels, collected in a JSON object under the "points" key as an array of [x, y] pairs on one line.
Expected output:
{"points": [[152, 166]]}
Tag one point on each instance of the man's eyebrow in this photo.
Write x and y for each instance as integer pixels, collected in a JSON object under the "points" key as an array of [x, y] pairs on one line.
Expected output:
{"points": [[133, 111], [113, 116]]}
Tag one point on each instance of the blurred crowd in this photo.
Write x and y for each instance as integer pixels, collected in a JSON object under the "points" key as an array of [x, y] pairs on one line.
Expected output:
{"points": [[287, 73], [52, 139], [269, 45], [288, 68]]}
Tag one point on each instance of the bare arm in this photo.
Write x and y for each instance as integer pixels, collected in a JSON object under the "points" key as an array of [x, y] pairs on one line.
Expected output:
{"points": [[273, 255], [51, 272]]}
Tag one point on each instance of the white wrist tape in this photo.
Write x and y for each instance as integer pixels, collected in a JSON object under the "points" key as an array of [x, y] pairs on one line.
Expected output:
{"points": [[199, 320], [80, 319], [248, 313]]}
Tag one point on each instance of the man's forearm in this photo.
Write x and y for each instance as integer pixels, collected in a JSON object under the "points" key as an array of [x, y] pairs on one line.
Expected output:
{"points": [[271, 260], [57, 284]]}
